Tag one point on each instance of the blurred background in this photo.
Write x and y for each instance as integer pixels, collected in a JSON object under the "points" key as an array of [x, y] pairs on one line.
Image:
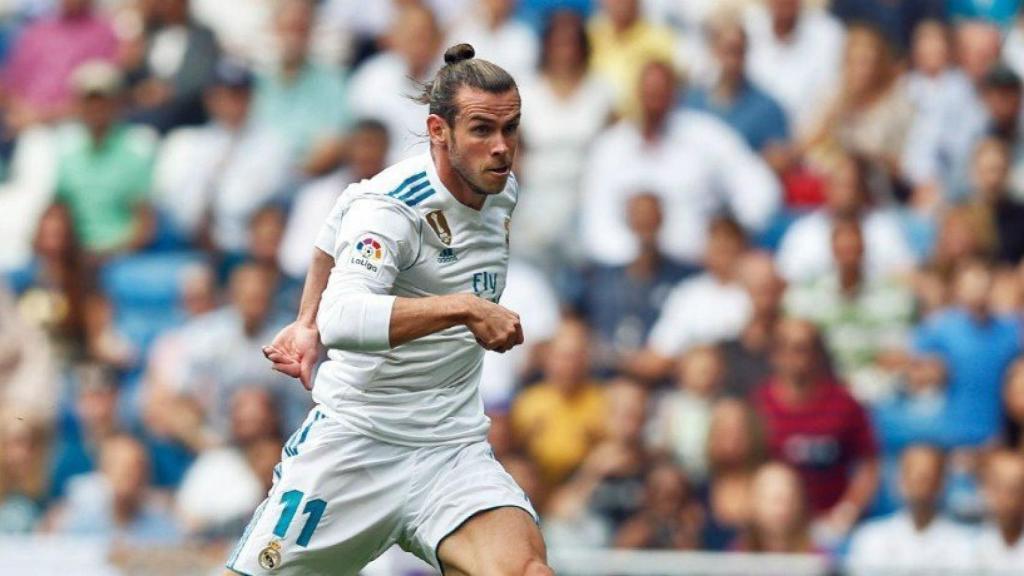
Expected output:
{"points": [[768, 256]]}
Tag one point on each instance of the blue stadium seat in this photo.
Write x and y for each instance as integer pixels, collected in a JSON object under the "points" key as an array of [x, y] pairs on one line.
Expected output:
{"points": [[144, 292]]}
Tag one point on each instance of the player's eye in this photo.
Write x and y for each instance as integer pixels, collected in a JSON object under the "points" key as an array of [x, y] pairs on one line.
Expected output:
{"points": [[480, 130], [511, 129]]}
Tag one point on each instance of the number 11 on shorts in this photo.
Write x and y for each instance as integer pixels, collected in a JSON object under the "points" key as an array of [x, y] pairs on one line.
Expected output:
{"points": [[314, 508]]}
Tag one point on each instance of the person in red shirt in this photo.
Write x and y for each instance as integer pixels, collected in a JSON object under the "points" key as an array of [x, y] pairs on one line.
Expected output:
{"points": [[815, 425]]}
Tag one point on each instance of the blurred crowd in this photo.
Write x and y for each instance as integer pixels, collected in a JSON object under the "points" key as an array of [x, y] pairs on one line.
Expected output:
{"points": [[768, 257]]}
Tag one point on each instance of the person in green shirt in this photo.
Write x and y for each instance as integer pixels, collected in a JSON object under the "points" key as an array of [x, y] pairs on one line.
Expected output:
{"points": [[104, 167], [865, 319]]}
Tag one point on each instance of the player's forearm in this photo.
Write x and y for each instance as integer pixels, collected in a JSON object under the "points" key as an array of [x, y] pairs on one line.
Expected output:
{"points": [[413, 318], [368, 322], [316, 282]]}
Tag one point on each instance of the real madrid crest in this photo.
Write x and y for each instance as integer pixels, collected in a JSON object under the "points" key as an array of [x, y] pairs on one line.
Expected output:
{"points": [[439, 224], [270, 557]]}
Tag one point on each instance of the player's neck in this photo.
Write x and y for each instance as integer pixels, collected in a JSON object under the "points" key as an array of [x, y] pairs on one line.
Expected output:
{"points": [[455, 183]]}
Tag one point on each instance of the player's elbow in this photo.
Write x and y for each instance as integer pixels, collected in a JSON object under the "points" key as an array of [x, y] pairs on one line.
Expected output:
{"points": [[356, 322]]}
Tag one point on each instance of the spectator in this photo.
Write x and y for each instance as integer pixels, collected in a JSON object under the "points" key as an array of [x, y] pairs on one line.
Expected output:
{"points": [[608, 487], [962, 236], [914, 414], [977, 348], [24, 489], [105, 167], [1003, 215], [866, 321], [623, 303], [931, 73], [304, 101], [56, 293], [918, 539], [380, 88], [1013, 407], [624, 43], [28, 376], [683, 419], [93, 421], [559, 420], [118, 502], [498, 36], [691, 160], [170, 63], [734, 451], [804, 253], [814, 425], [211, 179], [367, 145], [167, 367], [1000, 546], [568, 107], [38, 75], [669, 519], [869, 115], [220, 349], [705, 309], [208, 511], [266, 230], [741, 103], [746, 357], [795, 55], [937, 158], [779, 519]]}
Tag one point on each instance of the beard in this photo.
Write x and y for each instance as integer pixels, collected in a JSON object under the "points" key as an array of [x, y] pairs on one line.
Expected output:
{"points": [[473, 180]]}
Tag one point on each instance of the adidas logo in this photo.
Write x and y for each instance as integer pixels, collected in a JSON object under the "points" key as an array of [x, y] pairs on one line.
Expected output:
{"points": [[446, 256]]}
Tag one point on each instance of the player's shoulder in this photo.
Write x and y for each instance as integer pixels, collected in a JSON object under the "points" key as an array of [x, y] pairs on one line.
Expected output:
{"points": [[398, 188]]}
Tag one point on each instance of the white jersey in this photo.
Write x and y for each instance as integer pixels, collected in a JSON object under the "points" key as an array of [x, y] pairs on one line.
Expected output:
{"points": [[402, 233]]}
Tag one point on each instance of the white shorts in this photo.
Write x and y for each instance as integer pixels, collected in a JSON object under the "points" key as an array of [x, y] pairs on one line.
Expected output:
{"points": [[341, 498]]}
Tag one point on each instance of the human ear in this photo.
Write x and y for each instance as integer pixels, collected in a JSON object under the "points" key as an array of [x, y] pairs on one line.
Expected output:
{"points": [[437, 130]]}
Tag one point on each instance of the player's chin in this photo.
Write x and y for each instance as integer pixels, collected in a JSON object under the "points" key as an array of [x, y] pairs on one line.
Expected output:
{"points": [[493, 181]]}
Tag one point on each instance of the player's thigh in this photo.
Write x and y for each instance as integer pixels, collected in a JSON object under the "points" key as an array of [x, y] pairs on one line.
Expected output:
{"points": [[500, 542], [334, 506]]}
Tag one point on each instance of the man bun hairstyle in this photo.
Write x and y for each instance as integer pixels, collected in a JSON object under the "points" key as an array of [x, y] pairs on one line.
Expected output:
{"points": [[462, 68]]}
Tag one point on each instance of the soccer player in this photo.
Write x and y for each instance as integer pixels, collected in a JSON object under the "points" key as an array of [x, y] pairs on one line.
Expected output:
{"points": [[403, 292]]}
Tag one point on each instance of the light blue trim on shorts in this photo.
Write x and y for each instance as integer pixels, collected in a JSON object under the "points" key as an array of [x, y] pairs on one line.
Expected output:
{"points": [[245, 536]]}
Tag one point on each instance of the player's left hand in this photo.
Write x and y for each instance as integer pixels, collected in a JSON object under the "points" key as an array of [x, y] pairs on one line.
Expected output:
{"points": [[294, 352]]}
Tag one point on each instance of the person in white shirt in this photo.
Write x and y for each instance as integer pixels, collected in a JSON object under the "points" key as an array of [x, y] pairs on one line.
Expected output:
{"points": [[705, 309], [209, 180], [805, 250], [795, 55], [367, 153], [498, 36], [403, 292], [569, 106], [382, 86], [999, 549], [918, 539], [692, 161]]}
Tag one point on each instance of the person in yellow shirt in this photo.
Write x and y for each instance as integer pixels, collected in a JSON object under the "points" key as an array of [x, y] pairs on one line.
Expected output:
{"points": [[558, 420], [621, 43]]}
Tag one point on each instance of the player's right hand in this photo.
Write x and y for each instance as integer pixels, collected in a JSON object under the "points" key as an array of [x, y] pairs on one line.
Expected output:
{"points": [[495, 327], [294, 352]]}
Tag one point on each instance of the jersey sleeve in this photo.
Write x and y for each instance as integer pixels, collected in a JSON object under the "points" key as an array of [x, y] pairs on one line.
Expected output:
{"points": [[375, 240]]}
